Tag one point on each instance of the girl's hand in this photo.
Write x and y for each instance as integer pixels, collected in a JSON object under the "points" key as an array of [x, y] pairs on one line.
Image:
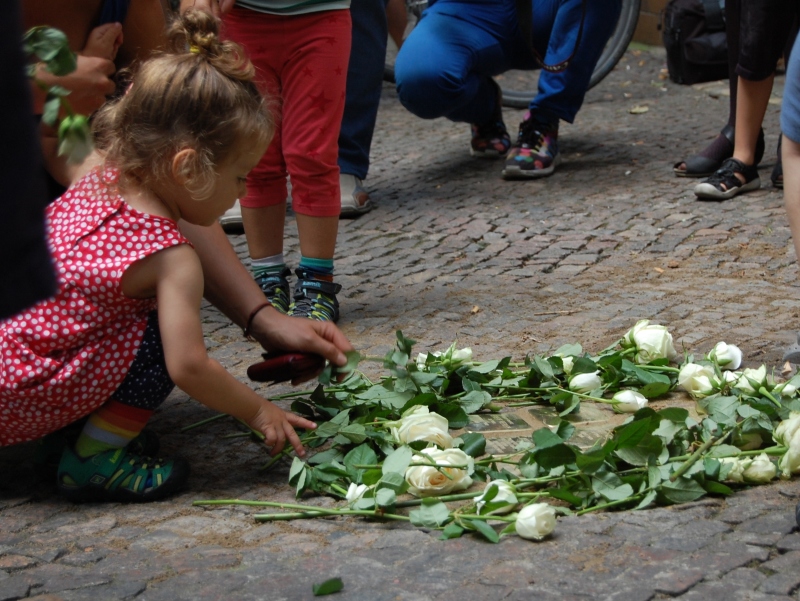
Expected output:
{"points": [[278, 426]]}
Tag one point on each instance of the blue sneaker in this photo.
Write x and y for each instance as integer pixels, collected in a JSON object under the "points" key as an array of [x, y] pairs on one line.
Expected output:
{"points": [[314, 299], [275, 287]]}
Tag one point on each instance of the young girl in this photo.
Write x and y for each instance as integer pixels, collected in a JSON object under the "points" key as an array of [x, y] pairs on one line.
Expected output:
{"points": [[178, 145], [301, 51]]}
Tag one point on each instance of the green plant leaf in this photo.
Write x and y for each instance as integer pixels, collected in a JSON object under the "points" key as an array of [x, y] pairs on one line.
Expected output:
{"points": [[554, 456], [590, 460], [648, 447], [456, 417], [474, 401], [655, 389], [717, 488], [394, 481], [398, 461], [485, 368], [334, 585], [545, 437], [674, 414], [565, 430], [360, 455], [474, 444], [648, 500], [565, 495], [452, 530], [385, 497], [431, 514], [723, 450], [633, 433], [485, 530], [683, 490], [355, 433]]}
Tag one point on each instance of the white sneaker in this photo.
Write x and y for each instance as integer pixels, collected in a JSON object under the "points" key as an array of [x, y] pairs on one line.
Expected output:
{"points": [[355, 199], [232, 218]]}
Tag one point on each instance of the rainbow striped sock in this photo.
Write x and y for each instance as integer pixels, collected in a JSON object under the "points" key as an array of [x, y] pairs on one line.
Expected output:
{"points": [[112, 426]]}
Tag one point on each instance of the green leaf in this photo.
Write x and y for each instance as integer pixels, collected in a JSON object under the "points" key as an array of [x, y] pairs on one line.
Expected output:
{"points": [[545, 437], [653, 477], [723, 450], [633, 433], [555, 456], [456, 417], [590, 460], [385, 497], [565, 495], [648, 500], [674, 414], [717, 488], [655, 389], [667, 430], [583, 365], [565, 430], [431, 514], [328, 456], [474, 444], [334, 585], [398, 461], [722, 409], [452, 530], [474, 401], [355, 433], [611, 493], [50, 110], [371, 477], [544, 368], [485, 530], [485, 368], [360, 455], [394, 481], [683, 490], [327, 430], [298, 465]]}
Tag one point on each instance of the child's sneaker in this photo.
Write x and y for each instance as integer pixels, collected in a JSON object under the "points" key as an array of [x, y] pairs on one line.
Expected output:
{"points": [[119, 475], [724, 184], [535, 153], [275, 287], [315, 299], [491, 140]]}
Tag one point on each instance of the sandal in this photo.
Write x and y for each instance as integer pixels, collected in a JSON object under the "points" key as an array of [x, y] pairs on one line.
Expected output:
{"points": [[119, 475], [724, 184], [703, 166], [777, 171]]}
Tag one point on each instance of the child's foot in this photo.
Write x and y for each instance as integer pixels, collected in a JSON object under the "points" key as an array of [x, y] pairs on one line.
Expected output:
{"points": [[275, 287], [732, 178], [490, 140], [119, 475], [103, 41], [50, 449], [315, 299]]}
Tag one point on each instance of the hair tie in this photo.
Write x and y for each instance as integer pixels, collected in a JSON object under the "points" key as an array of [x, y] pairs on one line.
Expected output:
{"points": [[194, 49]]}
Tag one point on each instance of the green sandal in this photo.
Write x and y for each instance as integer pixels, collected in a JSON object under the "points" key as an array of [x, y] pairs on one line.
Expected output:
{"points": [[119, 475], [49, 450]]}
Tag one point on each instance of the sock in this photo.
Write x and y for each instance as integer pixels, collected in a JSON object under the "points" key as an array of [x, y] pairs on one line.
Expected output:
{"points": [[318, 269], [274, 264], [112, 426]]}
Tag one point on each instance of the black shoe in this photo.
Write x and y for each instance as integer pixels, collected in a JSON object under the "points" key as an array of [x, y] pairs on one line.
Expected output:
{"points": [[275, 287], [724, 184], [700, 165], [315, 299]]}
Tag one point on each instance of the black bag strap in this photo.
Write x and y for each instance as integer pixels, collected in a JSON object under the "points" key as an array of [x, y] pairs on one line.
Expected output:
{"points": [[525, 16], [715, 19]]}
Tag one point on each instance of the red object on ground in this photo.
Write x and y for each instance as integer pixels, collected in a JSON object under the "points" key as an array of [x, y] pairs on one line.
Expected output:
{"points": [[285, 367]]}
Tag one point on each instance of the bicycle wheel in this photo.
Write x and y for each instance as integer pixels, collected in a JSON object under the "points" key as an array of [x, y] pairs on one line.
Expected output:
{"points": [[519, 87]]}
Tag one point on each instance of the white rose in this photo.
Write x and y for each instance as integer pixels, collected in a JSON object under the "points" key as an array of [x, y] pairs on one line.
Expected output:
{"points": [[568, 363], [428, 481], [727, 356], [760, 471], [585, 383], [738, 466], [421, 359], [651, 341], [506, 493], [787, 433], [628, 401], [698, 380], [759, 376], [785, 389], [418, 423], [731, 377], [536, 521], [355, 492], [462, 355]]}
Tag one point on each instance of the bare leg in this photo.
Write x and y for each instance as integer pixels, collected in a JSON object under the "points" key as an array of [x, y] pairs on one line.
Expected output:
{"points": [[317, 236], [753, 98], [264, 228], [398, 21], [791, 188]]}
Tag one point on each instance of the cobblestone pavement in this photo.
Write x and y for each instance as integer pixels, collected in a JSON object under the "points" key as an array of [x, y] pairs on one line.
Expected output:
{"points": [[452, 251]]}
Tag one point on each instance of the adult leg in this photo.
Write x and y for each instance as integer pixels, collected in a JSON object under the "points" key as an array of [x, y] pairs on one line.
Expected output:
{"points": [[364, 82]]}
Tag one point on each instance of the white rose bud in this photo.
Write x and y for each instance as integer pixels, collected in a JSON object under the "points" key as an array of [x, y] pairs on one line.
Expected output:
{"points": [[760, 471], [727, 356], [651, 341], [628, 401], [421, 359], [787, 433], [585, 383], [506, 493], [698, 380], [785, 389], [536, 521], [759, 376], [355, 492], [731, 377], [738, 466], [418, 423], [428, 481], [461, 355], [568, 363]]}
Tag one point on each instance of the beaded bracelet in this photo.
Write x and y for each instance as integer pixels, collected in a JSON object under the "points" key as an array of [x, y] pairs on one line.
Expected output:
{"points": [[253, 313]]}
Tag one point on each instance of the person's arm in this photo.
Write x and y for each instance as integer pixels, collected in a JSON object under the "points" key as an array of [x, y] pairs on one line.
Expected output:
{"points": [[231, 288], [179, 287]]}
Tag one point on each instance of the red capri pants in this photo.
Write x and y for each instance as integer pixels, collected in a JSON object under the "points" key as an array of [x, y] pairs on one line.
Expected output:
{"points": [[301, 62]]}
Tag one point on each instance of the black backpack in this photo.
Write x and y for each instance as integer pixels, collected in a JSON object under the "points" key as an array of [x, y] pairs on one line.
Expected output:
{"points": [[694, 36]]}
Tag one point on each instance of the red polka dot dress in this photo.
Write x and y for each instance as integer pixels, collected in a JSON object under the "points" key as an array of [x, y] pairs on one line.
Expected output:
{"points": [[64, 357]]}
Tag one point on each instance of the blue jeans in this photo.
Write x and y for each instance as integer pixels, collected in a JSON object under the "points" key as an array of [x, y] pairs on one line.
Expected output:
{"points": [[444, 68], [364, 82]]}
